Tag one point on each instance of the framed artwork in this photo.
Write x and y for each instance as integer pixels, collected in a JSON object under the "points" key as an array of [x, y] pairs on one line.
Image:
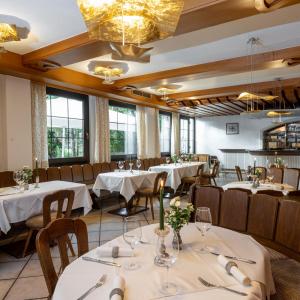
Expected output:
{"points": [[232, 128]]}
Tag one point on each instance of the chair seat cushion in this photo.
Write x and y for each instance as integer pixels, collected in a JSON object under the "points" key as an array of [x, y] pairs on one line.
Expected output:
{"points": [[190, 179], [145, 191], [275, 255], [37, 222], [286, 274]]}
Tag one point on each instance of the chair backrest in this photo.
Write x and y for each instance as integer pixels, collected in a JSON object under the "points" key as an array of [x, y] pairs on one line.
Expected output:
{"points": [[291, 177], [215, 169], [58, 231], [77, 173], [113, 166], [239, 173], [288, 229], [151, 162], [96, 169], [66, 173], [270, 193], [157, 161], [262, 207], [42, 174], [234, 209], [159, 177], [293, 195], [200, 170], [146, 164], [277, 173], [53, 173], [88, 175], [203, 157], [105, 168], [207, 196], [7, 179], [60, 198], [263, 171], [162, 160]]}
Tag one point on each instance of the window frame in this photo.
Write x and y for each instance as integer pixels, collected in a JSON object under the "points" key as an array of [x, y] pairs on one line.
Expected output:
{"points": [[123, 105], [86, 149], [166, 154], [185, 117]]}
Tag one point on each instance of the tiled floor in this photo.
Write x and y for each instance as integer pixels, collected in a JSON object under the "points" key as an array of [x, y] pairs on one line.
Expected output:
{"points": [[22, 279]]}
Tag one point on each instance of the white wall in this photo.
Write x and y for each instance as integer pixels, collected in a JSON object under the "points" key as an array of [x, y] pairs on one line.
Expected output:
{"points": [[16, 138], [211, 136]]}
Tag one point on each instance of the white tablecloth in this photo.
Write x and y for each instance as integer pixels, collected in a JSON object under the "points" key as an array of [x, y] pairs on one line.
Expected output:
{"points": [[19, 206], [144, 283], [177, 171], [285, 188], [125, 182]]}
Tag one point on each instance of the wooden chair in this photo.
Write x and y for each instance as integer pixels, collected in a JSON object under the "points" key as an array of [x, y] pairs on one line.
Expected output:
{"points": [[150, 193], [53, 173], [96, 169], [189, 180], [66, 173], [42, 174], [88, 175], [77, 173], [277, 173], [7, 179], [212, 176], [40, 221], [291, 177], [57, 231], [113, 166], [146, 164], [293, 195], [105, 168], [270, 193], [239, 173]]}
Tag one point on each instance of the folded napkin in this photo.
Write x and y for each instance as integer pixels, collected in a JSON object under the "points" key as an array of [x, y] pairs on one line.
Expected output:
{"points": [[232, 269], [113, 252], [117, 292]]}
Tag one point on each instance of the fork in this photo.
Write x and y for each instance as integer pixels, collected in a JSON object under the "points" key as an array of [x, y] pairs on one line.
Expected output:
{"points": [[100, 282], [208, 284]]}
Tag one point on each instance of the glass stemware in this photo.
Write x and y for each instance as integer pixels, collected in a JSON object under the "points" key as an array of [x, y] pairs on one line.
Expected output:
{"points": [[18, 178], [203, 223], [167, 259], [138, 164], [120, 165], [132, 235], [168, 160]]}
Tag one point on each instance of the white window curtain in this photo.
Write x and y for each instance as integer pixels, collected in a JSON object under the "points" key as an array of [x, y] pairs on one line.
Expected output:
{"points": [[148, 142], [99, 129], [39, 124], [175, 134]]}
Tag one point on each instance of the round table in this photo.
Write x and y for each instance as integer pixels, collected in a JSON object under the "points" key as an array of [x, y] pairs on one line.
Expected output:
{"points": [[284, 188], [144, 283]]}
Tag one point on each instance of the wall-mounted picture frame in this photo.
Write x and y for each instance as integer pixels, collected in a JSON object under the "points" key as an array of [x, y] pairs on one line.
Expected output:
{"points": [[232, 128]]}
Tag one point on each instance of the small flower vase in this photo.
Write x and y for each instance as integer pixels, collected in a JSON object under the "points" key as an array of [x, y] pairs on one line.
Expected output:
{"points": [[174, 243], [160, 247]]}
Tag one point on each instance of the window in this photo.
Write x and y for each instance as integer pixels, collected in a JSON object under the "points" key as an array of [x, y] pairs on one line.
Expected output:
{"points": [[122, 124], [68, 127], [187, 134], [165, 120]]}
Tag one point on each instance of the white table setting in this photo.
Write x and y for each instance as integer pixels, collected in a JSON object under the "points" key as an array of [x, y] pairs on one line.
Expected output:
{"points": [[17, 205], [284, 188], [254, 280], [176, 171]]}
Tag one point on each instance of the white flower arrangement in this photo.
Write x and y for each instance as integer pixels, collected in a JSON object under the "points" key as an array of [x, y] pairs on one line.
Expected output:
{"points": [[177, 216]]}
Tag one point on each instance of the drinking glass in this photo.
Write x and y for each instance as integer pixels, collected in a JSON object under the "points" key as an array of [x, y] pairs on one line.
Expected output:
{"points": [[167, 259], [132, 235], [18, 178], [203, 223], [168, 160], [138, 164], [120, 165]]}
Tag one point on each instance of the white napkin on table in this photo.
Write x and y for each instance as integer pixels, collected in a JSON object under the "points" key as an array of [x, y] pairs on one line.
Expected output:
{"points": [[118, 288], [109, 252], [234, 271]]}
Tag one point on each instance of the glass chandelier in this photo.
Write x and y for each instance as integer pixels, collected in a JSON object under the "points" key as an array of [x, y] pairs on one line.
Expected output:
{"points": [[8, 33]]}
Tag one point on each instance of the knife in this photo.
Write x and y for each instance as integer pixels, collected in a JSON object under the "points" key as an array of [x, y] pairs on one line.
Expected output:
{"points": [[249, 261], [100, 261]]}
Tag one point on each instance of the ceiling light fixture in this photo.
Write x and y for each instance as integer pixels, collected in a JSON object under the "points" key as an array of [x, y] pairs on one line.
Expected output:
{"points": [[8, 33], [166, 89], [108, 70]]}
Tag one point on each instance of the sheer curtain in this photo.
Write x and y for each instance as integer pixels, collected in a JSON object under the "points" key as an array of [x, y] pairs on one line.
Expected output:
{"points": [[99, 129], [175, 135], [39, 124], [148, 142]]}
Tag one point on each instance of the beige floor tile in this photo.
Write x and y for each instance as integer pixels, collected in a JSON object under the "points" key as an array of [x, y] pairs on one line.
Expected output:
{"points": [[4, 287], [111, 226], [110, 234], [4, 257], [28, 288], [10, 270], [33, 268]]}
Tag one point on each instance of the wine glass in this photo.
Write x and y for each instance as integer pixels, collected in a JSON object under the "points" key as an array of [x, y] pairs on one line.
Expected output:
{"points": [[168, 160], [132, 235], [120, 165], [138, 164], [18, 178], [203, 223], [168, 255]]}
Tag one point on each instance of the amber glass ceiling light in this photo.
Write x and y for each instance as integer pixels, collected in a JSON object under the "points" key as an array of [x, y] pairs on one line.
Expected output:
{"points": [[166, 89], [130, 21], [8, 33]]}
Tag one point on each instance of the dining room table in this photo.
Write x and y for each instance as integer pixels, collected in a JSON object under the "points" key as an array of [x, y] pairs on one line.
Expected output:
{"points": [[248, 185], [145, 282], [176, 171], [126, 183], [17, 205]]}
